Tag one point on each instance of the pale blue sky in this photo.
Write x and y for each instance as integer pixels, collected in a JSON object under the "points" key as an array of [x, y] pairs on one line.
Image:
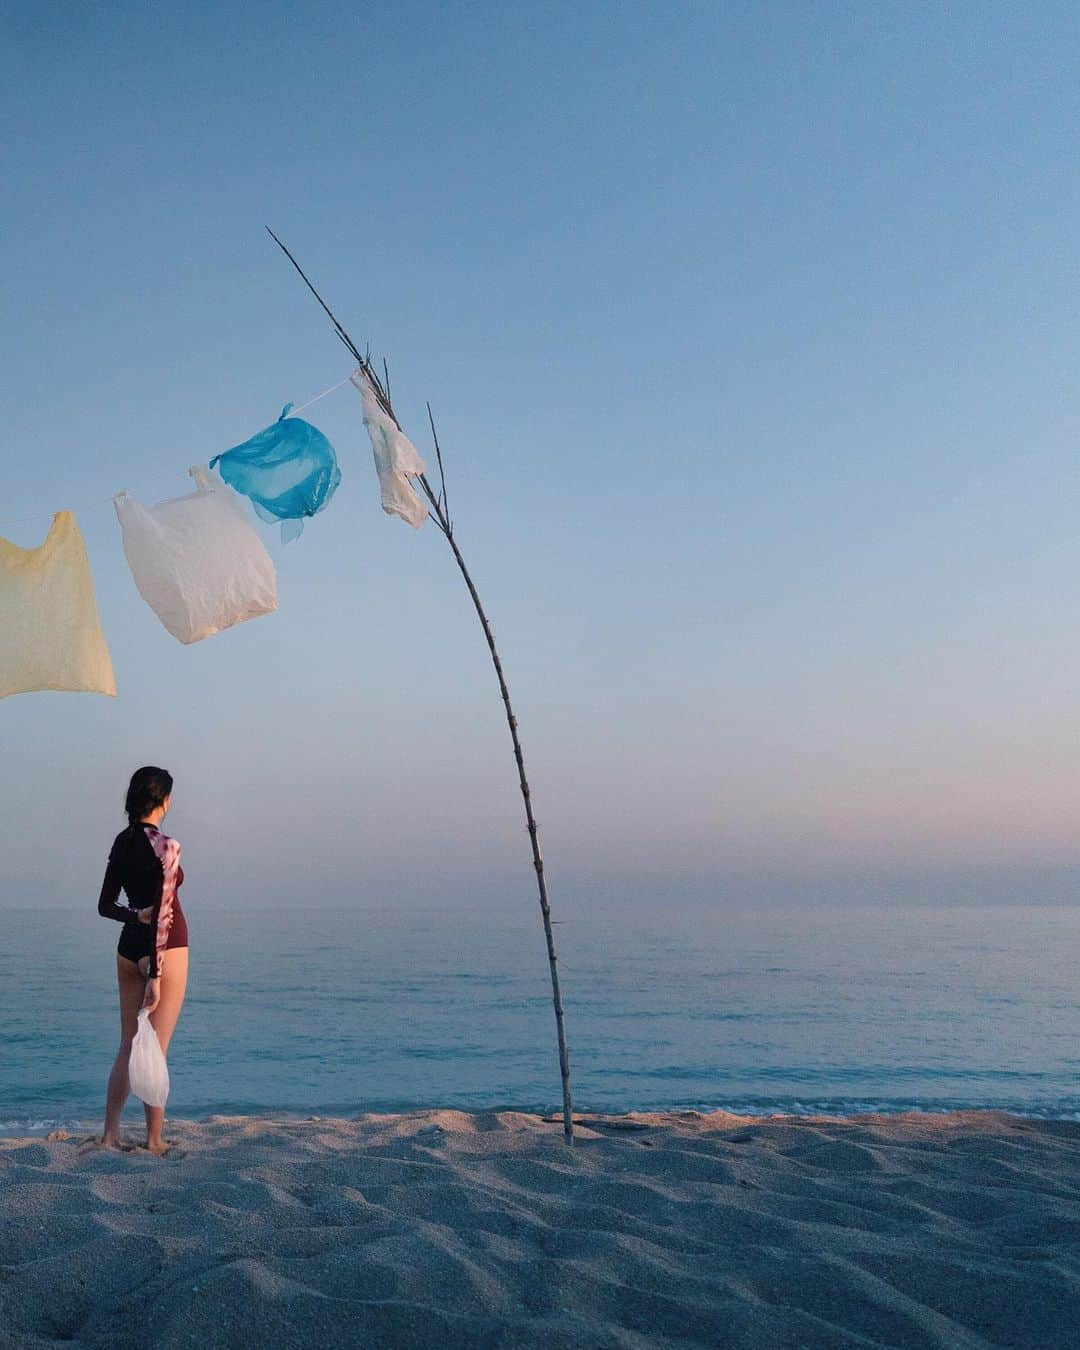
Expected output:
{"points": [[753, 338]]}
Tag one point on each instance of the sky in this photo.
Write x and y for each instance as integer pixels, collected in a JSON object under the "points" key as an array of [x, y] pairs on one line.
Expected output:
{"points": [[752, 338]]}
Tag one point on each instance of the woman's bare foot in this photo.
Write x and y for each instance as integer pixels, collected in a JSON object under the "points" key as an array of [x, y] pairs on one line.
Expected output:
{"points": [[112, 1143], [159, 1147]]}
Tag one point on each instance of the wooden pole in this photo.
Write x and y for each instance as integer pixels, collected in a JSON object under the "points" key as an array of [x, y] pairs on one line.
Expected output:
{"points": [[439, 512]]}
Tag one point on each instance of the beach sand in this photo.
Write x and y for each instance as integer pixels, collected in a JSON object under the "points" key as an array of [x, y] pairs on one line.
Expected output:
{"points": [[443, 1228]]}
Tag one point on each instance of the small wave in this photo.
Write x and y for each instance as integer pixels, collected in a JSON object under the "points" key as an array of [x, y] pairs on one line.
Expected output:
{"points": [[28, 1125]]}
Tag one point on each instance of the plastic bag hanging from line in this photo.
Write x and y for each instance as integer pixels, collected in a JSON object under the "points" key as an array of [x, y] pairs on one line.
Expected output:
{"points": [[289, 470], [50, 633], [148, 1072], [396, 458], [197, 560]]}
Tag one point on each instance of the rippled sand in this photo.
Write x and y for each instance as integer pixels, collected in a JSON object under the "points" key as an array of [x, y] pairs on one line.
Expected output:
{"points": [[441, 1228]]}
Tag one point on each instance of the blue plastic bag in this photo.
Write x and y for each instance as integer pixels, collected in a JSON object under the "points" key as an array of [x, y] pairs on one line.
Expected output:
{"points": [[289, 470]]}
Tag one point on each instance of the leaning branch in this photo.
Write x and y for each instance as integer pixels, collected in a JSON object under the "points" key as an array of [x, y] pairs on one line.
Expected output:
{"points": [[439, 512]]}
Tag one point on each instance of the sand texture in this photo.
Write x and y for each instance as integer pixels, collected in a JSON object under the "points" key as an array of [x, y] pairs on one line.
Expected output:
{"points": [[447, 1229]]}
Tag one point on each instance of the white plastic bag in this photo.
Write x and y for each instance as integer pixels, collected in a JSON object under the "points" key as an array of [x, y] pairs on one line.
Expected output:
{"points": [[148, 1073], [396, 458], [196, 560]]}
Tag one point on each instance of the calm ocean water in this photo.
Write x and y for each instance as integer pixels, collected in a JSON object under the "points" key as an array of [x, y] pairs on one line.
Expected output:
{"points": [[340, 1011]]}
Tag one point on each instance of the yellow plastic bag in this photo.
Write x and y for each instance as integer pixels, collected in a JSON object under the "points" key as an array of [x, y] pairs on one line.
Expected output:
{"points": [[50, 633]]}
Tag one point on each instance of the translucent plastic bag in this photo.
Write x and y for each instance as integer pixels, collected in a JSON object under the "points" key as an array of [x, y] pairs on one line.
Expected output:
{"points": [[396, 458], [197, 560], [289, 470], [52, 636], [148, 1073]]}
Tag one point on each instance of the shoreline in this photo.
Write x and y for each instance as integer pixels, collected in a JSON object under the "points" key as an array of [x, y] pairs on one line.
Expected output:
{"points": [[39, 1127], [483, 1229]]}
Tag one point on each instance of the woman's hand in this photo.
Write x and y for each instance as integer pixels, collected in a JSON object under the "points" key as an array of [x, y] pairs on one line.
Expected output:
{"points": [[145, 915], [153, 995]]}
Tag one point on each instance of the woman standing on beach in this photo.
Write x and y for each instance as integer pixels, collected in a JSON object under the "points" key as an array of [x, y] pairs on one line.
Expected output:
{"points": [[152, 954]]}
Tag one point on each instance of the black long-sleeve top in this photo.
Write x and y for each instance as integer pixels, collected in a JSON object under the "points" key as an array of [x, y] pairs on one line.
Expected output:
{"points": [[145, 864]]}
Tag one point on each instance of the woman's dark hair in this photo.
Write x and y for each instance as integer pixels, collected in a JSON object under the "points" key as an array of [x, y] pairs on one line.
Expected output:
{"points": [[147, 790]]}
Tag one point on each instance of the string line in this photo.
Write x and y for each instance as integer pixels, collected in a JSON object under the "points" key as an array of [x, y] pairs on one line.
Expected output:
{"points": [[107, 501], [333, 389]]}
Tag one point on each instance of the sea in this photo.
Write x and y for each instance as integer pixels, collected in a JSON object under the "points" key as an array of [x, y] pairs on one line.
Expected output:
{"points": [[314, 1010]]}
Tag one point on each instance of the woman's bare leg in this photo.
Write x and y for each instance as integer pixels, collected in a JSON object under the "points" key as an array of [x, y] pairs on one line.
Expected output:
{"points": [[132, 991], [163, 1019]]}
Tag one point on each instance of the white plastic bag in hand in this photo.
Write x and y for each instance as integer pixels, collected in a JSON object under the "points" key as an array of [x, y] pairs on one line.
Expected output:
{"points": [[147, 1071]]}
